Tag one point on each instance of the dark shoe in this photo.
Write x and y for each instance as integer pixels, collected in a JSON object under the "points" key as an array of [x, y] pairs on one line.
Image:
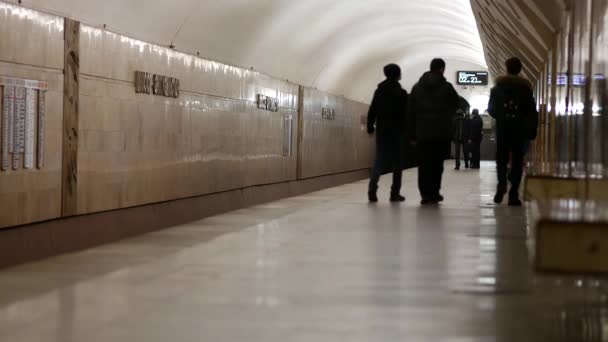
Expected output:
{"points": [[439, 198], [397, 198], [500, 195], [427, 201], [373, 197], [514, 201], [457, 168]]}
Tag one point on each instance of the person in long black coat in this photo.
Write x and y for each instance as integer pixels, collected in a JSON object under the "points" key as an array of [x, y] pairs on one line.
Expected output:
{"points": [[475, 137], [432, 106], [387, 119], [513, 106]]}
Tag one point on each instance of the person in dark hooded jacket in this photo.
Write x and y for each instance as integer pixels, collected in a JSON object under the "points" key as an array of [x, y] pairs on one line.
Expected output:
{"points": [[387, 118], [513, 106], [432, 106]]}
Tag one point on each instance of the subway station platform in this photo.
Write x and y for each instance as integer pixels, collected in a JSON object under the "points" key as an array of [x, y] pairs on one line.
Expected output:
{"points": [[326, 266]]}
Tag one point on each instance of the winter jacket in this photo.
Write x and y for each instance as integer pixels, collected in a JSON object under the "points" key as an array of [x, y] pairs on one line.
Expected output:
{"points": [[388, 110], [432, 106], [523, 123], [475, 128], [460, 127]]}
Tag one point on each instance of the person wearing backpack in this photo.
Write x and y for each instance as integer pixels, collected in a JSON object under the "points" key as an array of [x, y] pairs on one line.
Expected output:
{"points": [[513, 106]]}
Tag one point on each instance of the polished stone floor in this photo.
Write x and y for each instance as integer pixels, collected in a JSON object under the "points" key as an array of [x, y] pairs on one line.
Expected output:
{"points": [[326, 266]]}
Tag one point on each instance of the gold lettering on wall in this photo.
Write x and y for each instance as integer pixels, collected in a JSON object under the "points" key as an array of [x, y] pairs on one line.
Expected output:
{"points": [[148, 83], [22, 123]]}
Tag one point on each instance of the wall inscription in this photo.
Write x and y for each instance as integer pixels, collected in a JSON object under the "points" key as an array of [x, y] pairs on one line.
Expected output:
{"points": [[148, 83], [268, 103], [22, 123], [328, 113]]}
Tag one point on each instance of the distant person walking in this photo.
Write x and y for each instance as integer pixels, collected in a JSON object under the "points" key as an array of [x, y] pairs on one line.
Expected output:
{"points": [[460, 133], [513, 106], [387, 118], [474, 139], [432, 106]]}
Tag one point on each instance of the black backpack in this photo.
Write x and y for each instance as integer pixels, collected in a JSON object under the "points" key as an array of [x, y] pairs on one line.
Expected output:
{"points": [[517, 117]]}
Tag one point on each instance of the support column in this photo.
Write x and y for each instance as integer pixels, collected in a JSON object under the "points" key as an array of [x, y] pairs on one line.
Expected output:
{"points": [[71, 81], [300, 130]]}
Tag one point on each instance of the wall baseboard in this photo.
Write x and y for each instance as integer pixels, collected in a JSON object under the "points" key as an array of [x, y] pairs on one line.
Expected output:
{"points": [[46, 239]]}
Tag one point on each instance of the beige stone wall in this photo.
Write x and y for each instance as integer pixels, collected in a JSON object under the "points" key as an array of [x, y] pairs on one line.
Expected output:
{"points": [[333, 146], [137, 149]]}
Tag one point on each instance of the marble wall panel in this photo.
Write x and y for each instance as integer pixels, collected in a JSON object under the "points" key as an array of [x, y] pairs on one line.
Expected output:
{"points": [[33, 195], [113, 56], [137, 148], [334, 146], [30, 37]]}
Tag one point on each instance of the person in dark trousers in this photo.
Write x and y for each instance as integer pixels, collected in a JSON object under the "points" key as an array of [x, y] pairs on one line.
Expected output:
{"points": [[387, 118], [432, 106], [475, 137], [513, 106], [460, 133]]}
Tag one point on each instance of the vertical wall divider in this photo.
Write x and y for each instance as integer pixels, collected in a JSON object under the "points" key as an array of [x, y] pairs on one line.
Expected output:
{"points": [[553, 113], [300, 131], [71, 93]]}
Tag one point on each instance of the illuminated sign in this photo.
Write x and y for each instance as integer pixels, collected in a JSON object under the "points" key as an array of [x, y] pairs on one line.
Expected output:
{"points": [[479, 78], [578, 80]]}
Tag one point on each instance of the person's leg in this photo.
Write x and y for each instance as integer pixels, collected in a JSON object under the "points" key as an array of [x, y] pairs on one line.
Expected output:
{"points": [[457, 145], [517, 168], [502, 160], [397, 166], [424, 170], [439, 160], [466, 150], [376, 173], [476, 154]]}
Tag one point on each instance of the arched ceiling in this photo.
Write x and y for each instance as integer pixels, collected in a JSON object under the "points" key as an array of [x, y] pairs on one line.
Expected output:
{"points": [[338, 46], [522, 28]]}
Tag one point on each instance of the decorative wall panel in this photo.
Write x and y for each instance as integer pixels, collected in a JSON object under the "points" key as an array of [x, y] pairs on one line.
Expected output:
{"points": [[334, 138], [20, 115]]}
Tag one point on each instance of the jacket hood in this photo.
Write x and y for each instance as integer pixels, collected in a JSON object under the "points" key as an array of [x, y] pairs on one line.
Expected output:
{"points": [[431, 80], [513, 80]]}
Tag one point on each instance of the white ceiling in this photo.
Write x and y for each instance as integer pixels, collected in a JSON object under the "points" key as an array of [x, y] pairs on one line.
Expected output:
{"points": [[338, 46]]}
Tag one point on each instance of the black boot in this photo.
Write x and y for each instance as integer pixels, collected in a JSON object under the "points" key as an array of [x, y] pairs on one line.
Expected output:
{"points": [[500, 194], [397, 198], [372, 196], [514, 200]]}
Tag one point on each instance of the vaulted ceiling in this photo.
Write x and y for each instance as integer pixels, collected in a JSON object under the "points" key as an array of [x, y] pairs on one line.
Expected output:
{"points": [[338, 46]]}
